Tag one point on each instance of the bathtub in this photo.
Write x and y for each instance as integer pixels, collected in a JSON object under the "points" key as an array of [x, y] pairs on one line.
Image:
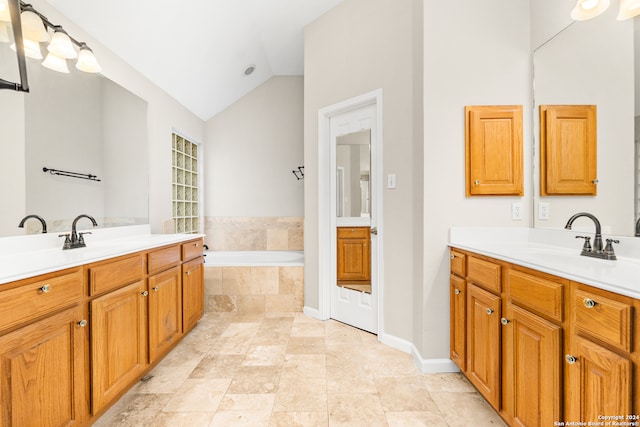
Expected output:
{"points": [[254, 258]]}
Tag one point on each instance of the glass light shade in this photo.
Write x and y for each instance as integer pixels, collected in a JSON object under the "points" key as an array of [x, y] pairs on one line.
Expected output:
{"points": [[55, 63], [61, 45], [4, 32], [31, 49], [33, 27], [4, 13], [87, 61], [628, 9], [587, 9]]}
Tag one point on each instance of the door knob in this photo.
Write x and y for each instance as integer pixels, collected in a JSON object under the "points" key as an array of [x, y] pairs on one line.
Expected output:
{"points": [[374, 230]]}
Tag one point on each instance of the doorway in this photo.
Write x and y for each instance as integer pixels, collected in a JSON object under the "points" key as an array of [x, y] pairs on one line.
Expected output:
{"points": [[350, 173]]}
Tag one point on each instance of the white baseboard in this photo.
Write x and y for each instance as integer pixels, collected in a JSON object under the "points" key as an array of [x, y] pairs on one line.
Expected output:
{"points": [[311, 312], [433, 366], [395, 342]]}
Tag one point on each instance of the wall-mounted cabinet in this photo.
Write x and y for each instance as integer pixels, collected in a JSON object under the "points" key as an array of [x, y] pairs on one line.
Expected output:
{"points": [[493, 155], [568, 157]]}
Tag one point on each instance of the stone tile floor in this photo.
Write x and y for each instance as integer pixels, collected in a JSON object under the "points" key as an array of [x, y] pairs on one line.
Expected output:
{"points": [[294, 371]]}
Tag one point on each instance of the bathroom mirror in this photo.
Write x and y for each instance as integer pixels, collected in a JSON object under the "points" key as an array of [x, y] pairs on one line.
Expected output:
{"points": [[81, 123], [592, 62], [353, 166]]}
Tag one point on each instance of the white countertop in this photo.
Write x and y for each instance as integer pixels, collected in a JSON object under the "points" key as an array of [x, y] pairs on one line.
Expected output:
{"points": [[556, 252], [22, 257]]}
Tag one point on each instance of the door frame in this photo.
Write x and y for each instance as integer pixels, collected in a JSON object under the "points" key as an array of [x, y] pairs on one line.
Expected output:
{"points": [[327, 239]]}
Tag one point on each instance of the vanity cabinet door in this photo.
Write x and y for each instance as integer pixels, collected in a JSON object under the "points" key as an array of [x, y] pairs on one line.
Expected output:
{"points": [[458, 318], [43, 372], [483, 342], [354, 254], [118, 342], [532, 368], [598, 382], [165, 312], [192, 293]]}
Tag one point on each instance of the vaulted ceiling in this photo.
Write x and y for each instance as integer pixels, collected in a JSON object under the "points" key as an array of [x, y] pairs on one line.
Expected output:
{"points": [[197, 50]]}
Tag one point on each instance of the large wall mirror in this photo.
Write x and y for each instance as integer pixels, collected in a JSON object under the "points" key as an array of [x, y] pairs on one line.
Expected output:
{"points": [[592, 62], [81, 123]]}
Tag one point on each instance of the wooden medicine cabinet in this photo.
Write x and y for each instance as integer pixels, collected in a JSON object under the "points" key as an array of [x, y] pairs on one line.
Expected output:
{"points": [[568, 150], [493, 150]]}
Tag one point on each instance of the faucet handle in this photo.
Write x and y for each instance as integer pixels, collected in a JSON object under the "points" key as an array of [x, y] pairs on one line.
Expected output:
{"points": [[80, 238], [587, 243], [609, 248], [67, 241]]}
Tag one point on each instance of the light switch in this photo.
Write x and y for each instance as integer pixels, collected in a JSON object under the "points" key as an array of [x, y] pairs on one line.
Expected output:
{"points": [[391, 180]]}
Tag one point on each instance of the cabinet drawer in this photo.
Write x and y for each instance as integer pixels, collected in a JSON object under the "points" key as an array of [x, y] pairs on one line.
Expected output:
{"points": [[163, 258], [191, 250], [353, 232], [536, 293], [39, 296], [112, 275], [484, 273], [457, 263], [603, 318]]}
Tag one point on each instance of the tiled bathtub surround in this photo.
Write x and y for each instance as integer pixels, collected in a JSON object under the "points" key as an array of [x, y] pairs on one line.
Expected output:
{"points": [[254, 233], [251, 292]]}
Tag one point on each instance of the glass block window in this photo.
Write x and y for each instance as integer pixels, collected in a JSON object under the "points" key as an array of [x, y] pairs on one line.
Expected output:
{"points": [[185, 185]]}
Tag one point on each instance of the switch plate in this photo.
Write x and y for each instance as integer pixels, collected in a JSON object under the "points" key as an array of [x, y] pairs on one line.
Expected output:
{"points": [[391, 180], [516, 211], [543, 210]]}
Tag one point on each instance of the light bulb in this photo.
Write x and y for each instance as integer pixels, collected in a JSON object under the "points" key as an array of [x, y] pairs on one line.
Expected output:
{"points": [[587, 9], [61, 45], [87, 61], [55, 63], [628, 9]]}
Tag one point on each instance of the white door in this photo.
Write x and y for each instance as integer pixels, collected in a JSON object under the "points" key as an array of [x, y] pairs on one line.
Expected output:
{"points": [[353, 137]]}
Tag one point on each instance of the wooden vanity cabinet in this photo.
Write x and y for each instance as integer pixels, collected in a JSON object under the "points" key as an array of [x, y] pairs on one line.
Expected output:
{"points": [[354, 254], [42, 352], [561, 350], [192, 293]]}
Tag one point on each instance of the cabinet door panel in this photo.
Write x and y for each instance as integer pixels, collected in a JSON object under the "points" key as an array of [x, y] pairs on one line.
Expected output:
{"points": [[533, 351], [458, 339], [43, 377], [599, 382], [118, 342], [192, 293], [165, 312], [483, 342]]}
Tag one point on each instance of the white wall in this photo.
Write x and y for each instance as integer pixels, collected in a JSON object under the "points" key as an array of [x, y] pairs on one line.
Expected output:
{"points": [[479, 57], [355, 48], [251, 149]]}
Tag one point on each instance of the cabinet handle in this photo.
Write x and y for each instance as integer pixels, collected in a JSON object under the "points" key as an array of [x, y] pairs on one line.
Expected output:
{"points": [[477, 182], [44, 289], [189, 273], [145, 293], [571, 359], [155, 288], [595, 181], [82, 323], [195, 244], [489, 311], [457, 291], [504, 321], [589, 303], [453, 256]]}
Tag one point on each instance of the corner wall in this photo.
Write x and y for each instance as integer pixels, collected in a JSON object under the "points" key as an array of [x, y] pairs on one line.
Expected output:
{"points": [[479, 57]]}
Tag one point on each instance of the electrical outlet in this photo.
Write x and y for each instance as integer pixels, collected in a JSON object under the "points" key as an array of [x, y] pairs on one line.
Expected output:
{"points": [[516, 211], [391, 180], [543, 210]]}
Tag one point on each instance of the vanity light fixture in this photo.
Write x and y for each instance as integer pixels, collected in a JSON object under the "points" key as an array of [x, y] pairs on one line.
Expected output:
{"points": [[587, 9], [30, 28]]}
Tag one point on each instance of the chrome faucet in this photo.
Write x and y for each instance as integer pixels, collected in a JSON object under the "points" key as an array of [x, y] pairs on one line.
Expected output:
{"points": [[77, 240], [39, 218], [596, 251]]}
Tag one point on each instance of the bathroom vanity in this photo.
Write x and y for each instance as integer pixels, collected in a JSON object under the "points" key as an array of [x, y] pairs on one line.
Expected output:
{"points": [[545, 335], [79, 328]]}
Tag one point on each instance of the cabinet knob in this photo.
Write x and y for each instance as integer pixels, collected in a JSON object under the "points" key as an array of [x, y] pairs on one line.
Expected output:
{"points": [[195, 244], [504, 321], [155, 288], [453, 256], [476, 182], [595, 181], [570, 359], [45, 289], [145, 293], [589, 303], [489, 311], [189, 273], [82, 323], [457, 291]]}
